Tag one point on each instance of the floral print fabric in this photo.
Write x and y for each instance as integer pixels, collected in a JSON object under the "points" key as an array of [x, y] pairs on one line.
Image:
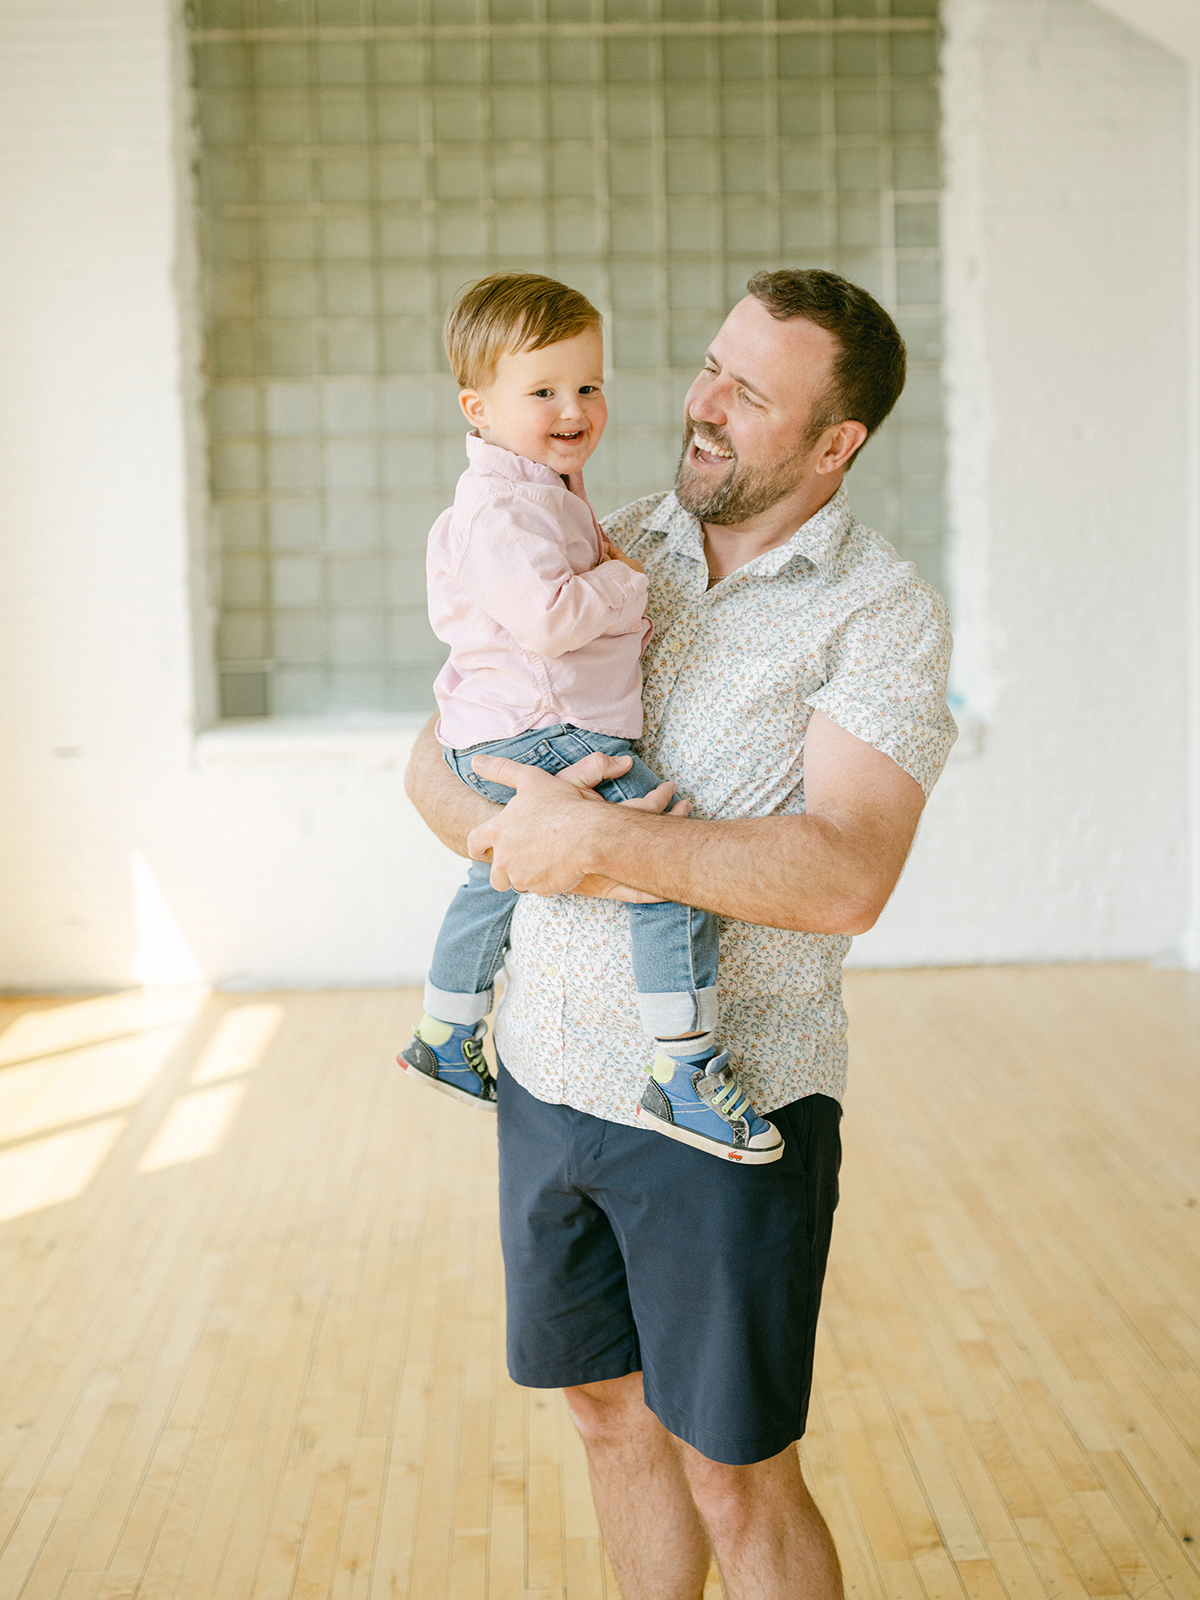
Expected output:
{"points": [[831, 621]]}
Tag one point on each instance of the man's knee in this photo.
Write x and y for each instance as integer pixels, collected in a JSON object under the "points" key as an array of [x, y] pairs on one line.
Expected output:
{"points": [[729, 1497], [721, 1492], [609, 1411]]}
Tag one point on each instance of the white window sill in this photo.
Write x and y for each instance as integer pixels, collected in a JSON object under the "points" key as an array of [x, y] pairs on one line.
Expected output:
{"points": [[359, 739]]}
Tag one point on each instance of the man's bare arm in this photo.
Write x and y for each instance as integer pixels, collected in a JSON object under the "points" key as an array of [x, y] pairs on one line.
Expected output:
{"points": [[831, 870], [443, 800]]}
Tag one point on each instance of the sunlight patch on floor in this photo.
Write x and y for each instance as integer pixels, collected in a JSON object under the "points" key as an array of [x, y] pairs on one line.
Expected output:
{"points": [[45, 1172], [77, 1085], [238, 1044], [194, 1127], [64, 1069], [57, 1028]]}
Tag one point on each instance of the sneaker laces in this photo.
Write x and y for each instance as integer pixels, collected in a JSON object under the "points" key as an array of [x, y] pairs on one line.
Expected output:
{"points": [[730, 1101], [472, 1049]]}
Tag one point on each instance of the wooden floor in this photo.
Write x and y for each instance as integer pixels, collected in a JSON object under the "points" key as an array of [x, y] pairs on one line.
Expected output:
{"points": [[251, 1342]]}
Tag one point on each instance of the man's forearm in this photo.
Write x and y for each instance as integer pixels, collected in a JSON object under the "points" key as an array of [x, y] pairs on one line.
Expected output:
{"points": [[830, 869], [445, 803], [795, 872]]}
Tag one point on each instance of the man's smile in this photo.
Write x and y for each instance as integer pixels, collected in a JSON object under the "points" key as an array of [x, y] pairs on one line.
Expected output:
{"points": [[708, 452]]}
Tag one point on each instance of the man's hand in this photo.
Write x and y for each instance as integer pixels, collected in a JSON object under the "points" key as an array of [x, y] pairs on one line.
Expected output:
{"points": [[452, 809], [541, 834]]}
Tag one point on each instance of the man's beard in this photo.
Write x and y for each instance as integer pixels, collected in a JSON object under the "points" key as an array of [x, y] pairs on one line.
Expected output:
{"points": [[743, 492]]}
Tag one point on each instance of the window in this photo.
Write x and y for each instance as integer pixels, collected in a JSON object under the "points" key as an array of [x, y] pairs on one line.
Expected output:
{"points": [[363, 159]]}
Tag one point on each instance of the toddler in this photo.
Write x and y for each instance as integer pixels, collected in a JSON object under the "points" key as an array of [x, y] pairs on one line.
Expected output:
{"points": [[546, 623]]}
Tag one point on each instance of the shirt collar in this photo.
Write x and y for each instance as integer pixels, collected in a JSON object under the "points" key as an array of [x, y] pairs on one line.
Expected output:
{"points": [[485, 457], [816, 541]]}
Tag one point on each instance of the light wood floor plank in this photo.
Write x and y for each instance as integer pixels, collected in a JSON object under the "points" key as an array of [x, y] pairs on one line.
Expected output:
{"points": [[275, 1370]]}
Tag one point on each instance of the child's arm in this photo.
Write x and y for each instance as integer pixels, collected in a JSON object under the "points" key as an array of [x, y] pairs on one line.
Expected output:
{"points": [[514, 568]]}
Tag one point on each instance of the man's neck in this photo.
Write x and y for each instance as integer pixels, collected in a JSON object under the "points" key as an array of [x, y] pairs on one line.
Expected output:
{"points": [[727, 549]]}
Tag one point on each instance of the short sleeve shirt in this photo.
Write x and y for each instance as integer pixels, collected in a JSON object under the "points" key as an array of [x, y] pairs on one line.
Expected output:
{"points": [[833, 621]]}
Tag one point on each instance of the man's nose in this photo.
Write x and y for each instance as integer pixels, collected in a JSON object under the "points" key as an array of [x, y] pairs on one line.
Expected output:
{"points": [[704, 405]]}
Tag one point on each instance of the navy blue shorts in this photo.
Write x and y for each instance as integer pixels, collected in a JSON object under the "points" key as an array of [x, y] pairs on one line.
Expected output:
{"points": [[627, 1252]]}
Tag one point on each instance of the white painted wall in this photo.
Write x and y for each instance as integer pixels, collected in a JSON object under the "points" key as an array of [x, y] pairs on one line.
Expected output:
{"points": [[123, 853], [95, 702], [288, 855], [1174, 24], [1067, 372]]}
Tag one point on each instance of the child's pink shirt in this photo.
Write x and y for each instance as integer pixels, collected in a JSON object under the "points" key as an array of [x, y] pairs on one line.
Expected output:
{"points": [[539, 632]]}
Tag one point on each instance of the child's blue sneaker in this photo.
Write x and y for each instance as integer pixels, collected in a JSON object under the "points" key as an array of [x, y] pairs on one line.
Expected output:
{"points": [[449, 1057], [701, 1103]]}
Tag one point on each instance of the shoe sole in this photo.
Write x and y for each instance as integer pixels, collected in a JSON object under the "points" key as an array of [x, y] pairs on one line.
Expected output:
{"points": [[451, 1089], [701, 1141]]}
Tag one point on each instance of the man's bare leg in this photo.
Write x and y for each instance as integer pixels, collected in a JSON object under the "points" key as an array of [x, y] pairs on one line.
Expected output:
{"points": [[771, 1541], [656, 1540]]}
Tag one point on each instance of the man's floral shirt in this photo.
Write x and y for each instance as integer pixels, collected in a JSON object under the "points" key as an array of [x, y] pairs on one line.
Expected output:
{"points": [[832, 621]]}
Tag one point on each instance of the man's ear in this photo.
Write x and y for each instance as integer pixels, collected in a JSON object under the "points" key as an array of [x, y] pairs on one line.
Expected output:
{"points": [[474, 407], [841, 441]]}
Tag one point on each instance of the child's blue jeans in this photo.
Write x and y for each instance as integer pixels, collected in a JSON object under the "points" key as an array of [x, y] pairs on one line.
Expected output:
{"points": [[675, 948]]}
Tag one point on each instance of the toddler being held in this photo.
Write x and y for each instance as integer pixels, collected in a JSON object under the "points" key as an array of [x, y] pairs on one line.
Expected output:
{"points": [[546, 622]]}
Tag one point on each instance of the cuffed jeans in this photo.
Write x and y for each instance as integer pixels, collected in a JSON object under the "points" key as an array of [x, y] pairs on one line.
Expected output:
{"points": [[675, 949]]}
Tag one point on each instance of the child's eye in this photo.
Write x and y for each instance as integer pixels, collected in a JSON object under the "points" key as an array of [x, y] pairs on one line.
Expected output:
{"points": [[542, 394], [590, 388]]}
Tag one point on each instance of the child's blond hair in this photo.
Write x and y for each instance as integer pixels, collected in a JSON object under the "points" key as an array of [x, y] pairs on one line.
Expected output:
{"points": [[507, 313]]}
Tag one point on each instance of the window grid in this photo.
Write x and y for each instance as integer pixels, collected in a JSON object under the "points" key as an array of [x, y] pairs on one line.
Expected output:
{"points": [[359, 165]]}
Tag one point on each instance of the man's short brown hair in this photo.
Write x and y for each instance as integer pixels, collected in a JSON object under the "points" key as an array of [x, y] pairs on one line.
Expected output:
{"points": [[869, 370], [507, 313]]}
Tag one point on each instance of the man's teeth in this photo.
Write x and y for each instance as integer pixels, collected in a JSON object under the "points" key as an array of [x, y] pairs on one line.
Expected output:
{"points": [[713, 449]]}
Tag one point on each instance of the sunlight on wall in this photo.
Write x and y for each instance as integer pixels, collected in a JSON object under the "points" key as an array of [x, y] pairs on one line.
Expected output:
{"points": [[194, 1127], [45, 1172], [238, 1044], [163, 954]]}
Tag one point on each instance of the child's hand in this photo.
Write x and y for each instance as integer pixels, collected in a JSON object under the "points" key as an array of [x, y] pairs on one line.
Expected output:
{"points": [[613, 553]]}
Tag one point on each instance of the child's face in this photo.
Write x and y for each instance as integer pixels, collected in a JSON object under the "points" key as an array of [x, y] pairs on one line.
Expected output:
{"points": [[547, 405]]}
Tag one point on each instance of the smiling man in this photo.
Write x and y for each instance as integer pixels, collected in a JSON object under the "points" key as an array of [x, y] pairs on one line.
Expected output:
{"points": [[795, 693]]}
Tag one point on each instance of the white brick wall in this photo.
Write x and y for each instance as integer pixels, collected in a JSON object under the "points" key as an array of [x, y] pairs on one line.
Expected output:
{"points": [[299, 862], [93, 636], [1066, 252]]}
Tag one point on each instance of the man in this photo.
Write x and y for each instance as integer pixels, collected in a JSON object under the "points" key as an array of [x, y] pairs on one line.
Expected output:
{"points": [[795, 693]]}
